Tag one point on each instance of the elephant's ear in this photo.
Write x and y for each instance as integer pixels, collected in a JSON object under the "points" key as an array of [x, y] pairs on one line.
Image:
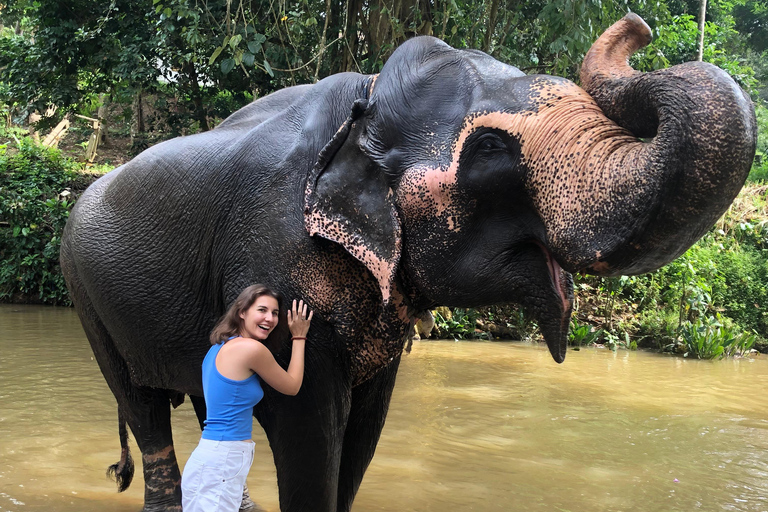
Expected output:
{"points": [[349, 201]]}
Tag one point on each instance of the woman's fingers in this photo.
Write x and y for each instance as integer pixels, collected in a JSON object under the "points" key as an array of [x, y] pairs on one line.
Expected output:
{"points": [[299, 311]]}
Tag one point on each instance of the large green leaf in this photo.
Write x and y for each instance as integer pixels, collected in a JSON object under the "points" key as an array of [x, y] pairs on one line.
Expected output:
{"points": [[215, 54], [227, 65]]}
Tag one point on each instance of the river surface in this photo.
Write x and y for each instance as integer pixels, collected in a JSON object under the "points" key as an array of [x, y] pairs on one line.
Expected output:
{"points": [[473, 426]]}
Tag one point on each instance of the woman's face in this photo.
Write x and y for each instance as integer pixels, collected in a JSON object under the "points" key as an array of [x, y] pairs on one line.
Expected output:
{"points": [[261, 318]]}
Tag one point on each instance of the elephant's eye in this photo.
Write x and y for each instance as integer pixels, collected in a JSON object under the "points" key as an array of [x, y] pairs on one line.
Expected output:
{"points": [[489, 150], [490, 142]]}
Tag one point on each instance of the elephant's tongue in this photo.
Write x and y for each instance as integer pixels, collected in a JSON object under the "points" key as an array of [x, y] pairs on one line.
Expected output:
{"points": [[555, 326]]}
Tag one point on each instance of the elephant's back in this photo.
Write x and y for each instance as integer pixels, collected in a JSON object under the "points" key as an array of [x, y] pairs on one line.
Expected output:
{"points": [[261, 110]]}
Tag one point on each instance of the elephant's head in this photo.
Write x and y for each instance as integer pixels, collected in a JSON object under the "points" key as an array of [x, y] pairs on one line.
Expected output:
{"points": [[477, 185]]}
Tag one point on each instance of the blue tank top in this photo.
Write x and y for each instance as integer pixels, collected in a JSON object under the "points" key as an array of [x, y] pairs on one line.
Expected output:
{"points": [[229, 403]]}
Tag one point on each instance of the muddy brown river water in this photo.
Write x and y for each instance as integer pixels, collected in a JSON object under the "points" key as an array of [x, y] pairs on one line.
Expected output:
{"points": [[473, 426]]}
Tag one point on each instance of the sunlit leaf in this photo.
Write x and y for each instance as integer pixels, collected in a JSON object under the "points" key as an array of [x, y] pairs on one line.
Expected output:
{"points": [[215, 54]]}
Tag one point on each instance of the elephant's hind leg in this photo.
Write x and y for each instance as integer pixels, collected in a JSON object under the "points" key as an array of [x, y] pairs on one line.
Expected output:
{"points": [[151, 425], [146, 410], [370, 403], [148, 414]]}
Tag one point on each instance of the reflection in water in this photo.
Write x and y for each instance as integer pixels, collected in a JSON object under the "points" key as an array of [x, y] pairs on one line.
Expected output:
{"points": [[472, 426]]}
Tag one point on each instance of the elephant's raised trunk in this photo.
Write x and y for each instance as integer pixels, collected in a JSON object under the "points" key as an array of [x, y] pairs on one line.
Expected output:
{"points": [[634, 205]]}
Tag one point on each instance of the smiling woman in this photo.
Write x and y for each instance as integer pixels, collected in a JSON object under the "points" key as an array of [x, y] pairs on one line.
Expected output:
{"points": [[239, 359]]}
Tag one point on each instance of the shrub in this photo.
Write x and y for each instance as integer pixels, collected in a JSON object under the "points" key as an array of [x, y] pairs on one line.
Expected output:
{"points": [[34, 205], [711, 337], [759, 172], [582, 334], [459, 325], [725, 273]]}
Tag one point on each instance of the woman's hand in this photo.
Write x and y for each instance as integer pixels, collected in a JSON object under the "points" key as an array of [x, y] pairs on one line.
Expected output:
{"points": [[263, 362], [298, 321]]}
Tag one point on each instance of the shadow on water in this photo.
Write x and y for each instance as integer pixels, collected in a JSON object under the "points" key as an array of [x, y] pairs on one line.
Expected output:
{"points": [[472, 426]]}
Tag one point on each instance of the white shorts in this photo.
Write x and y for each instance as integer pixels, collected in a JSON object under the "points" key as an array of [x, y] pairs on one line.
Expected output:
{"points": [[214, 476]]}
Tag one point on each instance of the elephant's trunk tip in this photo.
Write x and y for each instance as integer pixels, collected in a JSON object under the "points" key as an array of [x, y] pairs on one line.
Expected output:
{"points": [[609, 56]]}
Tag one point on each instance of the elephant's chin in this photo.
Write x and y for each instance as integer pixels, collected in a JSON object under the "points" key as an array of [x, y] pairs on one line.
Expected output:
{"points": [[555, 318]]}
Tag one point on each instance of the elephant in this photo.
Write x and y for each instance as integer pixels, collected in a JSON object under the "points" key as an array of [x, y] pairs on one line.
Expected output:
{"points": [[449, 178]]}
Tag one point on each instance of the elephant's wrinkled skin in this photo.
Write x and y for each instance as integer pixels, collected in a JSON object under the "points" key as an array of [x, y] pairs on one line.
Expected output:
{"points": [[449, 178]]}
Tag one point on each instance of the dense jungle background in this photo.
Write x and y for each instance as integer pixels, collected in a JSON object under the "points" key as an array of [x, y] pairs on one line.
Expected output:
{"points": [[104, 80]]}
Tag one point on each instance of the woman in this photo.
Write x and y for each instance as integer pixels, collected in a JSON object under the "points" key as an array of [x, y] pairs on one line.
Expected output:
{"points": [[214, 476]]}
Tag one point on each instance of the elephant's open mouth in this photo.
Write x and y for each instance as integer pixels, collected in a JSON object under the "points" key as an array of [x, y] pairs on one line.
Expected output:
{"points": [[556, 275]]}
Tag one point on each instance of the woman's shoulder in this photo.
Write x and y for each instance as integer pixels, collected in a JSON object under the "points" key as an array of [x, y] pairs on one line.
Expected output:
{"points": [[245, 347]]}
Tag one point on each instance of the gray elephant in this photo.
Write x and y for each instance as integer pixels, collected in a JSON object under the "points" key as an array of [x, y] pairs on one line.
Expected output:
{"points": [[448, 179]]}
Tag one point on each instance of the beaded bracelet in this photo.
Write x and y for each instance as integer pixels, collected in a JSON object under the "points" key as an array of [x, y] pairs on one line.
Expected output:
{"points": [[298, 338]]}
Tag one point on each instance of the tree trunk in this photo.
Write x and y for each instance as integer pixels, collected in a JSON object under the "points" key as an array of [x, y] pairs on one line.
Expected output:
{"points": [[323, 39], [491, 25], [506, 29], [426, 17], [702, 21], [101, 116], [137, 118], [446, 10], [350, 34]]}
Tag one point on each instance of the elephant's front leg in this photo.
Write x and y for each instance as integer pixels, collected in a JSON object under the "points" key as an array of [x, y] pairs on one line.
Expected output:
{"points": [[370, 403], [306, 434]]}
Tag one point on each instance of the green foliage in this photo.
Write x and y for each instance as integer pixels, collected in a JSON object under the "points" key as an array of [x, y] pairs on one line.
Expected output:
{"points": [[657, 327], [64, 55], [710, 338], [743, 293], [614, 341], [583, 334], [34, 206], [759, 172], [200, 49], [523, 327], [568, 29], [225, 103], [724, 276], [460, 325], [677, 42]]}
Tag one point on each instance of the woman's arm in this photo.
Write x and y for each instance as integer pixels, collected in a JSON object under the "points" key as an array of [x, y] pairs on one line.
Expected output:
{"points": [[264, 364]]}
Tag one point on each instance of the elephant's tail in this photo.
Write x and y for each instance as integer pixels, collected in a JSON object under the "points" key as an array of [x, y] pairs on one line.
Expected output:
{"points": [[122, 471]]}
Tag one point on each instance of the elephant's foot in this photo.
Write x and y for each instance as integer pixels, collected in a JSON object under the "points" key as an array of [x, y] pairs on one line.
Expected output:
{"points": [[248, 505], [161, 508]]}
